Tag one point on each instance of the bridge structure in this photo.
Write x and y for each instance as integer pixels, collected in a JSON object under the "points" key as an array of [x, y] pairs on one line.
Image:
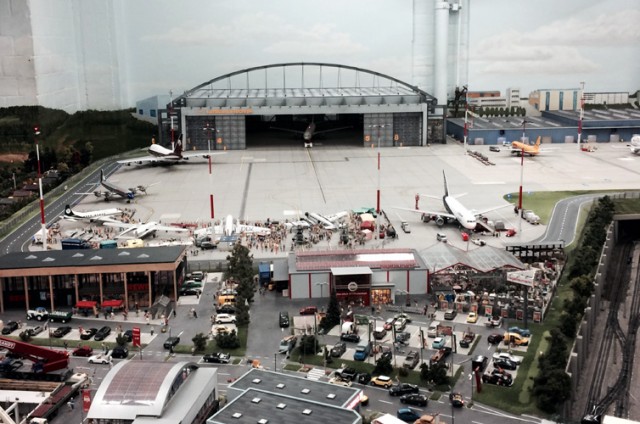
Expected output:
{"points": [[379, 110]]}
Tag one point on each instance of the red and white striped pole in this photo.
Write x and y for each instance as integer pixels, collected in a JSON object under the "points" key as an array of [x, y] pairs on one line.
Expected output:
{"points": [[36, 133], [581, 115]]}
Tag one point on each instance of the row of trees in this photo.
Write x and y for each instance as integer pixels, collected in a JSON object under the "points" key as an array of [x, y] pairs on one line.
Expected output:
{"points": [[552, 386]]}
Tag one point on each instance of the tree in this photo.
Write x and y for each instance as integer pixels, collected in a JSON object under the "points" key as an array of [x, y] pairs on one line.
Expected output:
{"points": [[309, 345], [242, 311], [228, 341], [332, 318], [121, 340], [383, 366], [199, 342], [240, 269]]}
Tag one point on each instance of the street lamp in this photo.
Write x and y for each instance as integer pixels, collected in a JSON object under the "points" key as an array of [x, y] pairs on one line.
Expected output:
{"points": [[378, 126]]}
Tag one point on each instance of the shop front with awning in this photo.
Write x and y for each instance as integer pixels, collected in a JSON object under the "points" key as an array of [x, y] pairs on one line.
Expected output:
{"points": [[352, 285]]}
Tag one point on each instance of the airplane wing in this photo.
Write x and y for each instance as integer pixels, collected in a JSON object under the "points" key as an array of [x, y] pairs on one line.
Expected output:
{"points": [[200, 154], [423, 212], [141, 159], [287, 130], [482, 212], [159, 227], [337, 216], [330, 130]]}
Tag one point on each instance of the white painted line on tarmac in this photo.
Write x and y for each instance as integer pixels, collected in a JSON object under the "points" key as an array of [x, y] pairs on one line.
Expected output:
{"points": [[385, 401]]}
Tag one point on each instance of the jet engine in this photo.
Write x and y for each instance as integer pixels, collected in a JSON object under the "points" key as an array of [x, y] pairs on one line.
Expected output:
{"points": [[425, 217], [439, 221], [97, 193]]}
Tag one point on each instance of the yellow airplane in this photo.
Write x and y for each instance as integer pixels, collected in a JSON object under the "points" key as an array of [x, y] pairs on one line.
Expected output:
{"points": [[518, 148]]}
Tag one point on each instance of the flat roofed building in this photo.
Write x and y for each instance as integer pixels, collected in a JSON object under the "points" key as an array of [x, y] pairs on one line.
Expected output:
{"points": [[261, 396]]}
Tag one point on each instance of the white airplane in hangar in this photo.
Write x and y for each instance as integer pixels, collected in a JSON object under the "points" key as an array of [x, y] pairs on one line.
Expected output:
{"points": [[228, 227], [159, 154], [455, 211]]}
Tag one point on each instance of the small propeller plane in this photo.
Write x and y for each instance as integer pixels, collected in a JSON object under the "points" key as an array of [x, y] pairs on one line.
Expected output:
{"points": [[140, 231], [518, 148], [229, 226], [159, 154], [99, 216]]}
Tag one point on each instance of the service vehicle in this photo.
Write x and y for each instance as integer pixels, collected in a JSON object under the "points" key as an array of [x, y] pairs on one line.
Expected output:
{"points": [[39, 314], [405, 227], [59, 316]]}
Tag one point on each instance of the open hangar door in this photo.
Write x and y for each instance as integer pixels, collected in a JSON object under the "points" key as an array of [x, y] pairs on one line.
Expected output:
{"points": [[288, 130]]}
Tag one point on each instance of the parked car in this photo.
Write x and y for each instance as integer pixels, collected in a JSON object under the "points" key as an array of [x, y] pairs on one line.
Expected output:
{"points": [[283, 319], [338, 349], [505, 364], [403, 337], [88, 333], [456, 399], [217, 358], [379, 333], [33, 331], [408, 415], [208, 244], [192, 284], [472, 318], [450, 314], [100, 358], [400, 324], [415, 399], [388, 324], [350, 337], [128, 335], [515, 339], [102, 333], [403, 316], [522, 331], [190, 291], [495, 338], [61, 331], [197, 275], [479, 363], [438, 343], [9, 327], [308, 310], [411, 360], [497, 379], [403, 389], [225, 318], [226, 309], [340, 382], [494, 148], [507, 355], [83, 351], [120, 352], [347, 373], [171, 342], [493, 322], [363, 378], [385, 354], [381, 381]]}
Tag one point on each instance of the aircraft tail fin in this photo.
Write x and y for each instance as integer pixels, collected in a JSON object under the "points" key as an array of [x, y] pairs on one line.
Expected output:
{"points": [[446, 186], [102, 178], [538, 141]]}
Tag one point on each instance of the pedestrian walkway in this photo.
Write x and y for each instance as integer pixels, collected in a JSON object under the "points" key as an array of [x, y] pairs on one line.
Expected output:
{"points": [[315, 374]]}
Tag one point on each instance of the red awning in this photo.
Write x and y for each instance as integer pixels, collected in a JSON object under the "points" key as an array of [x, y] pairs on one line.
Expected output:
{"points": [[112, 304], [86, 304]]}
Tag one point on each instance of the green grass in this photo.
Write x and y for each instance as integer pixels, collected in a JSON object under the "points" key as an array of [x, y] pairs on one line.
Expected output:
{"points": [[213, 347]]}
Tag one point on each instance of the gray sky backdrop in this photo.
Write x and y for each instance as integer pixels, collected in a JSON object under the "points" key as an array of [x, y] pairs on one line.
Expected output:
{"points": [[528, 44]]}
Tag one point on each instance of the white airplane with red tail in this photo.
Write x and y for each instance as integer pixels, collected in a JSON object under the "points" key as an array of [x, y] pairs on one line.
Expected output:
{"points": [[161, 154]]}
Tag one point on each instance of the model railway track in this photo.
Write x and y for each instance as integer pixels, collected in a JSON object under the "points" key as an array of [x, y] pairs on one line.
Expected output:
{"points": [[613, 333]]}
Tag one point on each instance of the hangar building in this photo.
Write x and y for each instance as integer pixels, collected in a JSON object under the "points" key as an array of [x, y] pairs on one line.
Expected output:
{"points": [[369, 107]]}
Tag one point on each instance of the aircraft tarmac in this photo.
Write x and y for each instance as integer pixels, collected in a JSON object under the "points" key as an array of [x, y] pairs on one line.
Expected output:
{"points": [[283, 182]]}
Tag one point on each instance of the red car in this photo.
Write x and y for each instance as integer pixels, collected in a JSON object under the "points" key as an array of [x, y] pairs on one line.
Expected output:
{"points": [[82, 351], [308, 310]]}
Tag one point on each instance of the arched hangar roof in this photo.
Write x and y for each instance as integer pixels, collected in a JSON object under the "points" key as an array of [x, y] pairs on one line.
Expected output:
{"points": [[303, 84], [138, 388]]}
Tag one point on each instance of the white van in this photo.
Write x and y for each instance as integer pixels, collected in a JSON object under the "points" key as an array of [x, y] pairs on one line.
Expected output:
{"points": [[433, 329]]}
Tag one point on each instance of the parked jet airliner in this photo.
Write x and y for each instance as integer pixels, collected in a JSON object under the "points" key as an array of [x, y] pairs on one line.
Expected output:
{"points": [[101, 215], [161, 154], [229, 227], [455, 211]]}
